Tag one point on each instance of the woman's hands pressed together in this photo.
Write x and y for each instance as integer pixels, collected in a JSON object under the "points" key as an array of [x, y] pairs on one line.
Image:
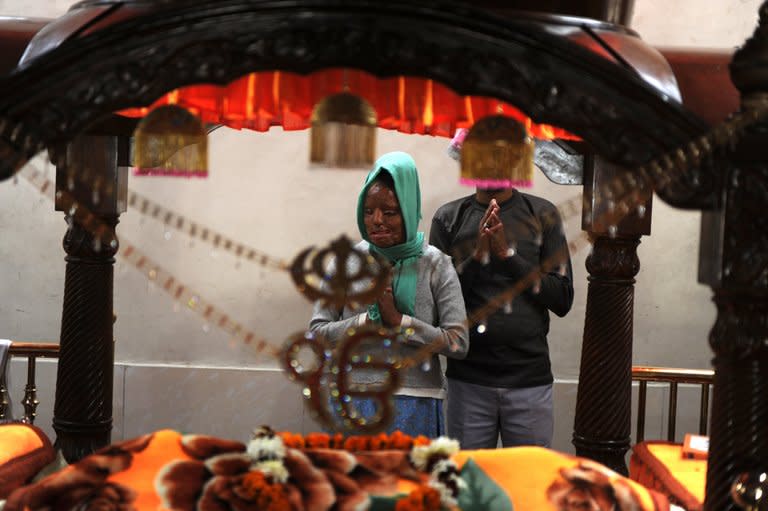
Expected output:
{"points": [[390, 316]]}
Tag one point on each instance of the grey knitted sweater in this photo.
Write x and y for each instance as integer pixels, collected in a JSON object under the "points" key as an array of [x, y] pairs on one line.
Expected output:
{"points": [[439, 317]]}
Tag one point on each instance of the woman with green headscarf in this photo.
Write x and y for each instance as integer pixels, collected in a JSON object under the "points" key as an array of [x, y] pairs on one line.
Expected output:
{"points": [[424, 299]]}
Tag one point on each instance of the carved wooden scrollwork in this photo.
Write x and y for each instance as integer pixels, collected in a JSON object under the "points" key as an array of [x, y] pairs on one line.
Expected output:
{"points": [[552, 79], [738, 443], [745, 251], [613, 259]]}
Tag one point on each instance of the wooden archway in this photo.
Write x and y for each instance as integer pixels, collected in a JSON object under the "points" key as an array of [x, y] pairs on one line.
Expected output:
{"points": [[521, 61]]}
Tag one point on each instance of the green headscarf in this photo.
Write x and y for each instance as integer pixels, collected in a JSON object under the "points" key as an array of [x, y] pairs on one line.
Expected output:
{"points": [[404, 257]]}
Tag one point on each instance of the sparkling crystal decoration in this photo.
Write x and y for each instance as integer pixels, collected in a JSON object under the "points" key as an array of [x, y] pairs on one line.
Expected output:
{"points": [[329, 376]]}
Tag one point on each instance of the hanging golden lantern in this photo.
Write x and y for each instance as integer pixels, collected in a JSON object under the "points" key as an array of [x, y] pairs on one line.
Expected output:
{"points": [[497, 153], [343, 132], [170, 141]]}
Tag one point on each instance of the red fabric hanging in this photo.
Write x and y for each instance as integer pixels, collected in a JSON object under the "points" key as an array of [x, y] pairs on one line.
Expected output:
{"points": [[261, 100]]}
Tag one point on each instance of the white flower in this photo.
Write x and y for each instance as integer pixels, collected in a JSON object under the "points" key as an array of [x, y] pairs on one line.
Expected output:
{"points": [[441, 447], [447, 469], [444, 472], [445, 445], [274, 469], [266, 448], [446, 496]]}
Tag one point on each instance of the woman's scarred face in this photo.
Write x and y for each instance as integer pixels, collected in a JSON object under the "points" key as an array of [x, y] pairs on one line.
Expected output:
{"points": [[382, 217]]}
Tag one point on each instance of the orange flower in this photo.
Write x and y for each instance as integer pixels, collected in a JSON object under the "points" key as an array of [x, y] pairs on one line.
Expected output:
{"points": [[357, 443], [431, 499], [253, 483], [337, 442], [317, 441], [421, 440], [293, 440], [379, 442], [423, 498], [401, 441], [268, 496]]}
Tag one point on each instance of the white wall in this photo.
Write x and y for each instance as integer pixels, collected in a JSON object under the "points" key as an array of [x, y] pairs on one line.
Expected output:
{"points": [[700, 23], [174, 370]]}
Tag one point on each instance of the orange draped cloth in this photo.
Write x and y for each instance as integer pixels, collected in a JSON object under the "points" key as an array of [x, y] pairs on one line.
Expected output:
{"points": [[166, 470], [662, 467], [532, 475], [24, 451], [261, 100]]}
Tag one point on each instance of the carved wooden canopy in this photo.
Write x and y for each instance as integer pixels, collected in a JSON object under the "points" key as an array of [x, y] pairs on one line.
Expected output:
{"points": [[520, 60]]}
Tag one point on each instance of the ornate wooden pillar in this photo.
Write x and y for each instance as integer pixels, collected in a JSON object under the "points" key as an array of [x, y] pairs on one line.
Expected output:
{"points": [[603, 405], [734, 261], [83, 406]]}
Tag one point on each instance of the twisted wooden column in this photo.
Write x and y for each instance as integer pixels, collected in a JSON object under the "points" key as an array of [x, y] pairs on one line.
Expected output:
{"points": [[739, 428], [603, 419], [83, 408], [91, 183], [737, 270], [603, 404], [735, 263]]}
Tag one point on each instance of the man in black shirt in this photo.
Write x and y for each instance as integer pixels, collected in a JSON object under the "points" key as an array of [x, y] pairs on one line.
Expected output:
{"points": [[504, 386]]}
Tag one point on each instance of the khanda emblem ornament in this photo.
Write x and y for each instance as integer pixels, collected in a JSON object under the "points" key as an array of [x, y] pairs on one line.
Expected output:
{"points": [[340, 274], [349, 387], [349, 384]]}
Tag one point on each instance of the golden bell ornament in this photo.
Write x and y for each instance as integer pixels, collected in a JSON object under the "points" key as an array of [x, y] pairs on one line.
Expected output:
{"points": [[497, 153], [343, 132], [170, 141]]}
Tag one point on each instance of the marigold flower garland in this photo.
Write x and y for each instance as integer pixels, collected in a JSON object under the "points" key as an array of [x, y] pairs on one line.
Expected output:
{"points": [[429, 456], [257, 487], [356, 443], [264, 483], [423, 498]]}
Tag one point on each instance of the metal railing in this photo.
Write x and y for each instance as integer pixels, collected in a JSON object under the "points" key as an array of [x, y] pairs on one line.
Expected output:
{"points": [[674, 377], [32, 351], [642, 374]]}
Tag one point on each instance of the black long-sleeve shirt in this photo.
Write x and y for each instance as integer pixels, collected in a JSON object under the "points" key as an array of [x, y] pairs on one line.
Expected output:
{"points": [[512, 350]]}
